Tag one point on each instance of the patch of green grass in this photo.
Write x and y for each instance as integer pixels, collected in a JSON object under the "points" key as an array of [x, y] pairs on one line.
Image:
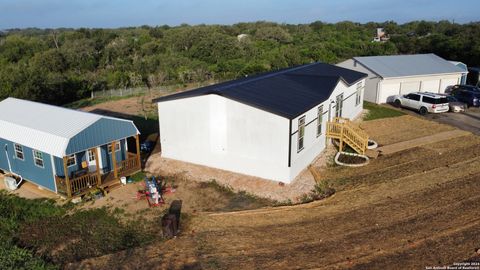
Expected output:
{"points": [[287, 202], [15, 211], [377, 112], [138, 177], [39, 234], [83, 234], [93, 101], [238, 200], [320, 191]]}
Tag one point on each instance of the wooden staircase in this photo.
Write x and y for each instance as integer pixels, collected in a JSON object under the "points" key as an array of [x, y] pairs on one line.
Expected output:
{"points": [[348, 133]]}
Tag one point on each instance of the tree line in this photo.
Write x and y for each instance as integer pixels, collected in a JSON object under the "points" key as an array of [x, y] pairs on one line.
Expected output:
{"points": [[58, 66]]}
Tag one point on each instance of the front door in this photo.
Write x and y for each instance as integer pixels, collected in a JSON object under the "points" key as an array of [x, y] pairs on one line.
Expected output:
{"points": [[92, 164], [339, 106]]}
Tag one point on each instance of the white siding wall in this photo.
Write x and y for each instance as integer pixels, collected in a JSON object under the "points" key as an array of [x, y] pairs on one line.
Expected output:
{"points": [[371, 83], [382, 90], [314, 145], [430, 86], [391, 87], [218, 132]]}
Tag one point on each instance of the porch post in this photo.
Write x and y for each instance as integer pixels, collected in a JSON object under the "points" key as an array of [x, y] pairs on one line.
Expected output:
{"points": [[137, 140], [67, 180], [97, 164], [340, 147], [114, 161]]}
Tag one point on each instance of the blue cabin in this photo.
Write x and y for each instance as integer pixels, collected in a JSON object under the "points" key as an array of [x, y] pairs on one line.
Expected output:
{"points": [[66, 151]]}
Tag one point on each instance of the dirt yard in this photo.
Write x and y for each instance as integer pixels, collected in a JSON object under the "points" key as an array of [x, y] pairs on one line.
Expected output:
{"points": [[134, 106], [196, 197], [260, 187], [408, 210]]}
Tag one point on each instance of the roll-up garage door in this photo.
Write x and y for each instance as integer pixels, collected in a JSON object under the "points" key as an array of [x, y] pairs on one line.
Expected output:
{"points": [[409, 87], [446, 83], [431, 86], [388, 91]]}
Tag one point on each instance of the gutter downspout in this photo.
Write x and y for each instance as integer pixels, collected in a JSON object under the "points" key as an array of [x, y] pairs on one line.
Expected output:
{"points": [[290, 144], [10, 169], [8, 158]]}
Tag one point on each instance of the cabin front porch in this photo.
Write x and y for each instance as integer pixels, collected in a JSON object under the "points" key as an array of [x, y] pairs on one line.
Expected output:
{"points": [[79, 182]]}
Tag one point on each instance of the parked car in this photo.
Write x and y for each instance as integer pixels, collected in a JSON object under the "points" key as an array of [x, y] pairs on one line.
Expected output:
{"points": [[423, 102], [451, 89], [471, 98], [454, 104]]}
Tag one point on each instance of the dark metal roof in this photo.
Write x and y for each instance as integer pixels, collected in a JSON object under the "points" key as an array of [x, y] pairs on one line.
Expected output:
{"points": [[288, 92]]}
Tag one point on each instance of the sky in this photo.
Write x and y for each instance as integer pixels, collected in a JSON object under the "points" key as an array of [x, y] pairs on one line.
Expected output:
{"points": [[120, 13]]}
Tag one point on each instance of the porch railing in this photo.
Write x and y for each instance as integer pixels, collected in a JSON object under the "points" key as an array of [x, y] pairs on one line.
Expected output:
{"points": [[83, 183], [79, 185], [128, 166], [347, 132], [76, 186], [61, 185]]}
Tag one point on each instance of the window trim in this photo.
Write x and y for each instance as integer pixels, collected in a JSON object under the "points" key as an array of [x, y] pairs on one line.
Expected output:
{"points": [[319, 120], [74, 160], [21, 151], [339, 109], [88, 155], [35, 158], [117, 149], [358, 97], [300, 136]]}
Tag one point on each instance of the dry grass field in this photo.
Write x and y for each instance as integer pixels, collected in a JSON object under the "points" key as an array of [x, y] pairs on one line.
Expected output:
{"points": [[408, 210]]}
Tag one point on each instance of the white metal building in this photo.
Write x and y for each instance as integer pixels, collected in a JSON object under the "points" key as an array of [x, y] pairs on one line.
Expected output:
{"points": [[270, 126], [402, 74]]}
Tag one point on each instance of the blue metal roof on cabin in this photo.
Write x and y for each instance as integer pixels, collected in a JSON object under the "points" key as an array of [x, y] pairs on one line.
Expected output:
{"points": [[288, 92], [49, 128], [110, 130]]}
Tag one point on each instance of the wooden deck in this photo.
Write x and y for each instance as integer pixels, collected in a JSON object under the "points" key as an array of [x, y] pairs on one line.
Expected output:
{"points": [[78, 186], [347, 132]]}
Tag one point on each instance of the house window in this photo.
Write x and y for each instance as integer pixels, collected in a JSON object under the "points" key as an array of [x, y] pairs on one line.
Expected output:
{"points": [[117, 147], [358, 97], [71, 160], [339, 106], [91, 155], [19, 151], [319, 120], [38, 158], [301, 133]]}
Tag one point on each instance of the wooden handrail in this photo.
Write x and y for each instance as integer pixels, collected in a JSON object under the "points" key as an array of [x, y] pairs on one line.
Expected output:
{"points": [[344, 130], [128, 166], [83, 183], [77, 185], [61, 185]]}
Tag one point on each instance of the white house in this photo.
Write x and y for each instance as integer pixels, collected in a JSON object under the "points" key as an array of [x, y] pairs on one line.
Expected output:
{"points": [[402, 74], [270, 126]]}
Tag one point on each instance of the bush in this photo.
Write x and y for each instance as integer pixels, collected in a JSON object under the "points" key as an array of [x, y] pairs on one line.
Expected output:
{"points": [[83, 234], [15, 211], [320, 191], [33, 232], [13, 257]]}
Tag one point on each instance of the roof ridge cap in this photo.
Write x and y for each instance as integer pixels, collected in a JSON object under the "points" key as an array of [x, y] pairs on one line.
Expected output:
{"points": [[265, 76]]}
